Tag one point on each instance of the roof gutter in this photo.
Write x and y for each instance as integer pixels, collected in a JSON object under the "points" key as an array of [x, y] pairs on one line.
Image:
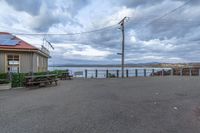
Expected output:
{"points": [[26, 50]]}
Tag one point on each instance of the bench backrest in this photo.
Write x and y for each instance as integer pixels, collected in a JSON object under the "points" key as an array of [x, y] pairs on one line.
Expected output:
{"points": [[78, 73]]}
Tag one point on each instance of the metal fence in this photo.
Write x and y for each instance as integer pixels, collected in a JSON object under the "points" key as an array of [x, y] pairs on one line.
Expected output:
{"points": [[140, 72]]}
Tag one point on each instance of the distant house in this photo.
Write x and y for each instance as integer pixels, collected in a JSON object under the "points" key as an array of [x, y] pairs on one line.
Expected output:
{"points": [[17, 55]]}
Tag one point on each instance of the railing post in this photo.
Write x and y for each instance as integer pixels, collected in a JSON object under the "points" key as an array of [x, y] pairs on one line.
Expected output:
{"points": [[172, 72], [106, 73], [96, 73], [136, 72], [145, 74], [152, 72], [85, 73], [162, 74], [199, 72], [181, 72], [127, 73], [190, 70], [117, 73]]}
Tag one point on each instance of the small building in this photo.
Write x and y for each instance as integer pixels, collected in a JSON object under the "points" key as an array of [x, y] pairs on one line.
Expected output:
{"points": [[16, 55]]}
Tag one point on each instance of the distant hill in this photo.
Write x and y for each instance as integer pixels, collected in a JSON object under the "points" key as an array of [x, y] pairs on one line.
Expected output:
{"points": [[105, 65]]}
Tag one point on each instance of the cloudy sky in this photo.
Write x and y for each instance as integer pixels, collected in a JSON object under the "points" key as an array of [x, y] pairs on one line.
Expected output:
{"points": [[172, 38]]}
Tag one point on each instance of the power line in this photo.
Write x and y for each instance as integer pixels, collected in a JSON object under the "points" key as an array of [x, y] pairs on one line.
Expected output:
{"points": [[68, 34], [164, 15], [168, 13]]}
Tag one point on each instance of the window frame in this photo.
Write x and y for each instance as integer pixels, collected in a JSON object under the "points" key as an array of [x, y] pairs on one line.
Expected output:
{"points": [[12, 57]]}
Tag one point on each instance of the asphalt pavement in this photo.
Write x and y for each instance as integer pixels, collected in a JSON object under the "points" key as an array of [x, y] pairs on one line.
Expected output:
{"points": [[133, 105]]}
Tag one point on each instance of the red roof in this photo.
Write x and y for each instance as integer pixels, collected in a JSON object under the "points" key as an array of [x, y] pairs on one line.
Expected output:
{"points": [[21, 45]]}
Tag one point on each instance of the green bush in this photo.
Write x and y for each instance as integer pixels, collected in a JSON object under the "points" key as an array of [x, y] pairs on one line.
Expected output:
{"points": [[58, 72], [4, 81], [4, 78], [3, 75], [19, 78], [39, 73]]}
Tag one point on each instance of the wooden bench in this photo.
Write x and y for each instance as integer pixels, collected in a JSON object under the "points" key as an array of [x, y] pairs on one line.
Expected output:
{"points": [[40, 80], [78, 74], [40, 83], [65, 76]]}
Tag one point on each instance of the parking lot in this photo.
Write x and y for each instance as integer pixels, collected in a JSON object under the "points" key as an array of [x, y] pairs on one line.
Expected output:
{"points": [[132, 105]]}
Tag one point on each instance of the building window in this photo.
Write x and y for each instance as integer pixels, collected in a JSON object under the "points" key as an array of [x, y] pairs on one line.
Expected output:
{"points": [[13, 63]]}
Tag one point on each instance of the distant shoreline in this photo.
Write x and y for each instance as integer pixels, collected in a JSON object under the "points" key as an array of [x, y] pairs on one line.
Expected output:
{"points": [[106, 65], [155, 64], [93, 66]]}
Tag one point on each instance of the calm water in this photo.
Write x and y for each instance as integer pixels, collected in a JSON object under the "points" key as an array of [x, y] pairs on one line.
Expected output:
{"points": [[91, 71]]}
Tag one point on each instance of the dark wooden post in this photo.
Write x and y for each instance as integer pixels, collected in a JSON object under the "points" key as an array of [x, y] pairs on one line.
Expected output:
{"points": [[106, 73], [152, 72], [96, 73], [117, 73], [127, 73], [145, 74], [136, 72], [85, 73]]}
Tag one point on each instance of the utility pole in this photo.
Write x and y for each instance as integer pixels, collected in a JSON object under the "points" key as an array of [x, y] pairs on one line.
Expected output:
{"points": [[123, 40]]}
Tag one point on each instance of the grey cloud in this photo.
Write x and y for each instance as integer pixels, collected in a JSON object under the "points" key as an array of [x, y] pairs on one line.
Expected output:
{"points": [[33, 6], [136, 3], [71, 6], [30, 6], [180, 29], [176, 25], [191, 2], [77, 5], [148, 3], [42, 21]]}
